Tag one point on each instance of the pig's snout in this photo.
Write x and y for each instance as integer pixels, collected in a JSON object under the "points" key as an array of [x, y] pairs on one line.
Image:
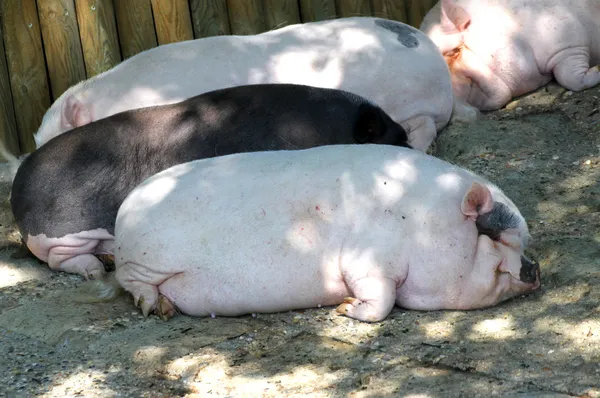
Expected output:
{"points": [[530, 271]]}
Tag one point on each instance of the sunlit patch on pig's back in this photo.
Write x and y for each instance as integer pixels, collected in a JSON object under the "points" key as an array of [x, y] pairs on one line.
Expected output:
{"points": [[406, 34]]}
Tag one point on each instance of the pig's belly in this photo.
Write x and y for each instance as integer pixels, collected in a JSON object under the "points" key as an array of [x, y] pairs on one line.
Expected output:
{"points": [[229, 293]]}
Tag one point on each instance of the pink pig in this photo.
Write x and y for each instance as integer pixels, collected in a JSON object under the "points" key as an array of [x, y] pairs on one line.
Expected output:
{"points": [[500, 49], [364, 227]]}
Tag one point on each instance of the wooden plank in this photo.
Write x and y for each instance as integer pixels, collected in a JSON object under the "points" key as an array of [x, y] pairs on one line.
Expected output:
{"points": [[62, 46], [172, 20], [352, 8], [210, 18], [390, 9], [26, 67], [416, 10], [281, 13], [98, 33], [246, 17], [8, 125], [135, 25], [317, 10]]}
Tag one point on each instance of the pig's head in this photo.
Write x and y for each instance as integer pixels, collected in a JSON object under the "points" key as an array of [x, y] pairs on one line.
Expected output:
{"points": [[467, 50], [374, 125], [500, 270], [65, 114]]}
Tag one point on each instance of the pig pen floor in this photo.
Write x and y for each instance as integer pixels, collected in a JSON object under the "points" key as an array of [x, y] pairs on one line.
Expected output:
{"points": [[542, 150]]}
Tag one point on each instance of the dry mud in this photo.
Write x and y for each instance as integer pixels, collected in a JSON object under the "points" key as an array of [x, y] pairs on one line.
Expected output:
{"points": [[543, 150]]}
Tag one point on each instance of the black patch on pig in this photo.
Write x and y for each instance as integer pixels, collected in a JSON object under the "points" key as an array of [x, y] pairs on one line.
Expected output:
{"points": [[529, 270], [496, 221], [77, 181], [406, 34], [371, 126]]}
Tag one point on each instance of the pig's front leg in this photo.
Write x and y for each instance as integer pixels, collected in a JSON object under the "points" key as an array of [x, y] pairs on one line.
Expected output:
{"points": [[421, 130], [375, 298], [573, 71]]}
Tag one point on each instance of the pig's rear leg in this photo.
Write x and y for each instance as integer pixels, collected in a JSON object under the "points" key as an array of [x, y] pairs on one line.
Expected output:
{"points": [[375, 298], [421, 132], [142, 282], [86, 265], [77, 260], [573, 70]]}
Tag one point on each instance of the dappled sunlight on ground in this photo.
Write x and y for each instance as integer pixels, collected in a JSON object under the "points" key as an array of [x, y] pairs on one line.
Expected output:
{"points": [[89, 383], [546, 342], [11, 275], [502, 328]]}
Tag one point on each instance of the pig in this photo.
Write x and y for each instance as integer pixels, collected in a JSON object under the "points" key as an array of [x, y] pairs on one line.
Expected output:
{"points": [[392, 64], [360, 226], [501, 49], [65, 195]]}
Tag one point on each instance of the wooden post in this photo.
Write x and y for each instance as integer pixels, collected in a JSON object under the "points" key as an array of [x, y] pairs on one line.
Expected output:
{"points": [[8, 125], [246, 17], [61, 44], [416, 10], [281, 13], [98, 35], [317, 10], [172, 20], [27, 70], [390, 9], [210, 18], [135, 25], [352, 8]]}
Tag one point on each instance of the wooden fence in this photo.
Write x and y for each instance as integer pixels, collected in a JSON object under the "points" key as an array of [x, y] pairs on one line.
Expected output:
{"points": [[46, 46]]}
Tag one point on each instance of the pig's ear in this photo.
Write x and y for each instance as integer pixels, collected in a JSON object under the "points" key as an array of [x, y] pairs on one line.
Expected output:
{"points": [[478, 200], [510, 267], [74, 113], [454, 16], [369, 125]]}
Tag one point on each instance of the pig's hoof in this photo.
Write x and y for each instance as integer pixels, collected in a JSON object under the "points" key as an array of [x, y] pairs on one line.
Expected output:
{"points": [[348, 304], [165, 308], [144, 305]]}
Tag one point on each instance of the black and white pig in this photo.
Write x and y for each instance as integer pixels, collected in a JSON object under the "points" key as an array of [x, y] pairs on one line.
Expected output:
{"points": [[66, 194]]}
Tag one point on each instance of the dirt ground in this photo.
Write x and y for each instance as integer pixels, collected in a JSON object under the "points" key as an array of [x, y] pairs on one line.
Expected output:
{"points": [[542, 150]]}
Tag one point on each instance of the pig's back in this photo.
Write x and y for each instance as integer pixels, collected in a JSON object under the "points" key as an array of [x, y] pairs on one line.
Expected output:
{"points": [[268, 207], [79, 179], [352, 54]]}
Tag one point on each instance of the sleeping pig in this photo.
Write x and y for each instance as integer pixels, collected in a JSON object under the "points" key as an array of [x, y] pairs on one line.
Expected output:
{"points": [[360, 226], [498, 50], [390, 63], [66, 194]]}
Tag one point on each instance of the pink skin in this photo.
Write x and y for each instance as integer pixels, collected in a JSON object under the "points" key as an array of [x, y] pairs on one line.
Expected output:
{"points": [[353, 54], [73, 253], [498, 50], [363, 227]]}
